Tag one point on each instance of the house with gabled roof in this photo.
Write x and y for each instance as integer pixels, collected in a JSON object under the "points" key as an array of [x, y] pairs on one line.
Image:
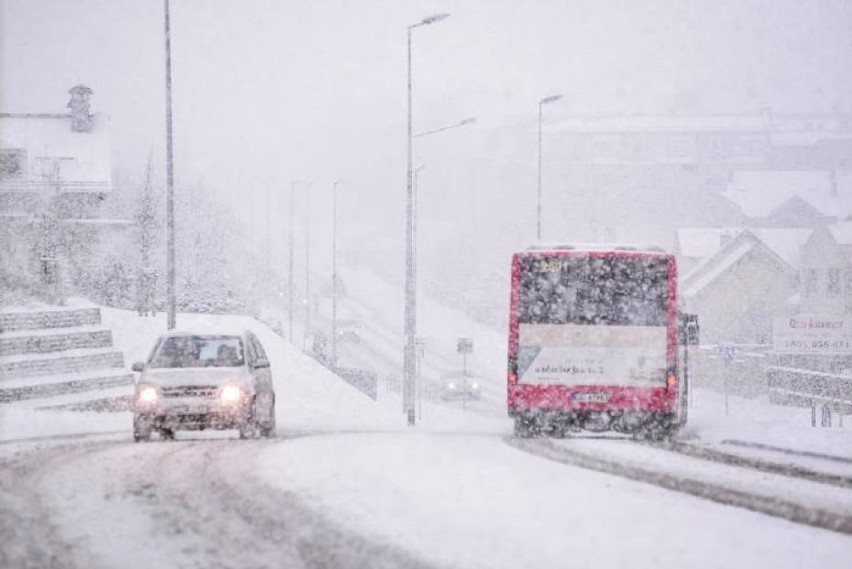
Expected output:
{"points": [[776, 198], [825, 271], [737, 290], [55, 173], [760, 274], [694, 244]]}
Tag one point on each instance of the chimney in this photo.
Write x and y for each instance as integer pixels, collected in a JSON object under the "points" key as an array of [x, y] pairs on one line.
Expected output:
{"points": [[81, 119]]}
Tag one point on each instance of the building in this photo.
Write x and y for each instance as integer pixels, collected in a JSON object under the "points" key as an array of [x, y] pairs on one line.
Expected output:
{"points": [[749, 280], [798, 198], [55, 173], [666, 172]]}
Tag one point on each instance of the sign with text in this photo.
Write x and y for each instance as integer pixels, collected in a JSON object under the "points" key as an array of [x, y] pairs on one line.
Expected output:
{"points": [[812, 334]]}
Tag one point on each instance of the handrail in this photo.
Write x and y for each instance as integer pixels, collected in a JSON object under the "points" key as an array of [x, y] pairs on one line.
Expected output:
{"points": [[816, 388]]}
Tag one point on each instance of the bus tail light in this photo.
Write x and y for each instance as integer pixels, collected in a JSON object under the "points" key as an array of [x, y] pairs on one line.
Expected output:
{"points": [[513, 377], [671, 381]]}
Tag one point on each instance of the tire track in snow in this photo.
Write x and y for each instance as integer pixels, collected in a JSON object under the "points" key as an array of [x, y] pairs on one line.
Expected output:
{"points": [[788, 451], [256, 526], [197, 504], [30, 536], [785, 509], [721, 457]]}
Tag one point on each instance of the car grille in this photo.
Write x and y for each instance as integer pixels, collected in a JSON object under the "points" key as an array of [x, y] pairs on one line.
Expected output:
{"points": [[206, 391]]}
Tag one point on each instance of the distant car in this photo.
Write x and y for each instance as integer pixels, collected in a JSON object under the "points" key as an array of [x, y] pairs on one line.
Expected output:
{"points": [[459, 387], [349, 331], [197, 381]]}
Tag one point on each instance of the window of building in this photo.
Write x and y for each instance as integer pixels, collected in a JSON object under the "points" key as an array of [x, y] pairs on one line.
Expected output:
{"points": [[835, 284], [12, 162], [811, 280]]}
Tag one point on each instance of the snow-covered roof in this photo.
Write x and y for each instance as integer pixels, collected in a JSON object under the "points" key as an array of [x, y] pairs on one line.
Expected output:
{"points": [[842, 232], [703, 241], [806, 138], [804, 129], [712, 268], [758, 193], [652, 123], [47, 141], [786, 243], [631, 247]]}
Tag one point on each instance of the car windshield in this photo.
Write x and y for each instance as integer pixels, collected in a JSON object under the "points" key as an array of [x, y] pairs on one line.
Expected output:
{"points": [[198, 351]]}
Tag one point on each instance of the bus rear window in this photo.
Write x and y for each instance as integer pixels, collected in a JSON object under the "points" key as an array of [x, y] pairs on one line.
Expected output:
{"points": [[618, 291]]}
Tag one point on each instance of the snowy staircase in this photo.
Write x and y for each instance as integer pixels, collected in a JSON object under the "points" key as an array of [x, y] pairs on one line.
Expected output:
{"points": [[53, 352]]}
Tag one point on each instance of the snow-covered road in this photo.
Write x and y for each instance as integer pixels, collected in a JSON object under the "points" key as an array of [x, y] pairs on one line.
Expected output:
{"points": [[365, 499], [346, 484], [187, 504]]}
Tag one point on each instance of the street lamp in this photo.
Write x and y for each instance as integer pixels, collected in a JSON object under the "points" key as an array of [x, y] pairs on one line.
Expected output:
{"points": [[334, 273], [170, 185], [306, 335], [414, 227], [541, 103], [290, 262], [467, 121], [408, 353]]}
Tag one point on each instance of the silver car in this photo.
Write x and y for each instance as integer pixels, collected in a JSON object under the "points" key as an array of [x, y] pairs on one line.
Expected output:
{"points": [[197, 381], [459, 387]]}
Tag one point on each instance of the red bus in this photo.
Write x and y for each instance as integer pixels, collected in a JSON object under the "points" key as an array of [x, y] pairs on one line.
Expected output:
{"points": [[593, 341]]}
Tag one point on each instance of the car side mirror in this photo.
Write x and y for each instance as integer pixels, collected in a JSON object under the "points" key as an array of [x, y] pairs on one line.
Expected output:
{"points": [[138, 366]]}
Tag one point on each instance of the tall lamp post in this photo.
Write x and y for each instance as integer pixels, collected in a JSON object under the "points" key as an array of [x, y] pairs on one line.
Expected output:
{"points": [[541, 103], [408, 353], [334, 273], [417, 170], [307, 333], [290, 263], [467, 121], [170, 186]]}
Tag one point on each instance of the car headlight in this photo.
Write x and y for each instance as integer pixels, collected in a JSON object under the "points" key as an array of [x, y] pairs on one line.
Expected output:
{"points": [[474, 386], [231, 394], [147, 394], [451, 386]]}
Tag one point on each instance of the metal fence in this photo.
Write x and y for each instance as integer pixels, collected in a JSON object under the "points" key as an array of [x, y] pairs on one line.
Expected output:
{"points": [[827, 392], [754, 370]]}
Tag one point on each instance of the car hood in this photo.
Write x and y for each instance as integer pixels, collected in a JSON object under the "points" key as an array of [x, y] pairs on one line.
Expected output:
{"points": [[193, 376]]}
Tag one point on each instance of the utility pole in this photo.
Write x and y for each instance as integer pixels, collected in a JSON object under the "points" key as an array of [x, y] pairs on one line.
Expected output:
{"points": [[541, 103], [170, 189], [410, 310], [334, 274], [267, 275], [290, 263], [307, 270]]}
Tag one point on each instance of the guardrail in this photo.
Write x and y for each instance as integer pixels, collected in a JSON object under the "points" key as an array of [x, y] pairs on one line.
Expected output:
{"points": [[827, 391], [364, 380]]}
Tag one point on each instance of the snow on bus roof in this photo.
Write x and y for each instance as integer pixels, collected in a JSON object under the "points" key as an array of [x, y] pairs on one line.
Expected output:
{"points": [[615, 247]]}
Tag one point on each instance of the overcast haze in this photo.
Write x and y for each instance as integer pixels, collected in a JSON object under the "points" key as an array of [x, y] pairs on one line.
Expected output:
{"points": [[595, 401], [266, 92]]}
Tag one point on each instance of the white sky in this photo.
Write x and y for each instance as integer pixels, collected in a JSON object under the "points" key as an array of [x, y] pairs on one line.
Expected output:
{"points": [[266, 91]]}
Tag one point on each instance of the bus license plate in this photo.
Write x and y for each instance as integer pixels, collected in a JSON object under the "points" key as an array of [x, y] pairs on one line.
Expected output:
{"points": [[599, 397]]}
